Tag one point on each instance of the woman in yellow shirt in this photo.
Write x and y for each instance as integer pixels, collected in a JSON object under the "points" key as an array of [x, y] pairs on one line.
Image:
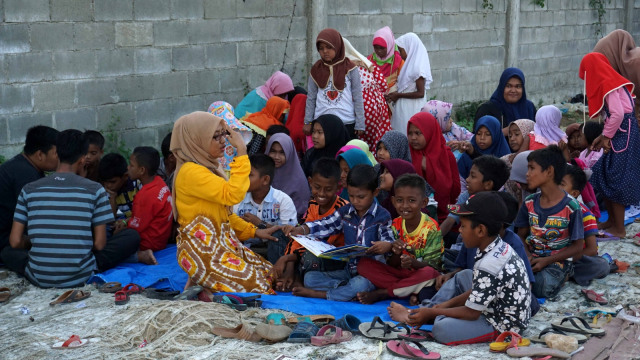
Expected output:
{"points": [[210, 250]]}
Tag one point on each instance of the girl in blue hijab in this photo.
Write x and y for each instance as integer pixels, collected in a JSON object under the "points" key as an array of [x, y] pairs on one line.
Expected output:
{"points": [[348, 160], [511, 98], [487, 140]]}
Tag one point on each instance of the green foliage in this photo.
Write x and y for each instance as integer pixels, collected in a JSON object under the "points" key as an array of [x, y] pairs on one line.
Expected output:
{"points": [[598, 7], [487, 5], [113, 142], [465, 113], [538, 2], [2, 159]]}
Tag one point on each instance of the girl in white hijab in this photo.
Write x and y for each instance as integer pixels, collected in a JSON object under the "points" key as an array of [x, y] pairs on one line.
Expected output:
{"points": [[413, 81]]}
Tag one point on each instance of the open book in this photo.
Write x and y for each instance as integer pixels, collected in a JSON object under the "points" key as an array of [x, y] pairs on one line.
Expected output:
{"points": [[327, 251]]}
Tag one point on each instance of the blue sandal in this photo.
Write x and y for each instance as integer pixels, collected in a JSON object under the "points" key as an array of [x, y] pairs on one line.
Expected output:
{"points": [[303, 332]]}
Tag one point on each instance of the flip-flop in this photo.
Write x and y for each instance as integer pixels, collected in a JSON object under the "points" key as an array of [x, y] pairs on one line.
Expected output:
{"points": [[302, 332], [402, 349], [243, 332], [515, 340], [594, 296], [381, 330], [5, 294], [70, 296], [132, 289], [321, 319], [580, 326], [231, 301], [349, 323], [273, 333], [330, 334], [276, 319], [540, 337], [250, 301], [592, 312], [189, 294], [121, 297], [532, 351], [606, 236], [160, 294], [623, 266], [73, 342], [417, 335], [636, 238], [110, 287]]}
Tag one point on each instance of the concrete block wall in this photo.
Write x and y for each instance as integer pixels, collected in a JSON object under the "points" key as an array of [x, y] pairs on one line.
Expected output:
{"points": [[135, 66], [87, 63]]}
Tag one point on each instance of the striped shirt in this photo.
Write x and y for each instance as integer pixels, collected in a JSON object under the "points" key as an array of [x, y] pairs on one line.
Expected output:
{"points": [[59, 212]]}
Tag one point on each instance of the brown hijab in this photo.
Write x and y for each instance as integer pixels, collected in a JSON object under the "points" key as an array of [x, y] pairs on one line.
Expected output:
{"points": [[623, 55], [336, 69], [190, 141]]}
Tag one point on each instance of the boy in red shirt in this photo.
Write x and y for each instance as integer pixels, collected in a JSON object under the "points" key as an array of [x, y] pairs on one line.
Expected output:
{"points": [[151, 213]]}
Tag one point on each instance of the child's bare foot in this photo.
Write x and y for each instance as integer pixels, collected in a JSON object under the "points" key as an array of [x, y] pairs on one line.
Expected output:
{"points": [[398, 313], [146, 257], [374, 296], [605, 225], [304, 292], [413, 300]]}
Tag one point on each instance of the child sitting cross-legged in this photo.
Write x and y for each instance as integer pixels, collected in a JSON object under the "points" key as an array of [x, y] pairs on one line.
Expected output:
{"points": [[264, 206], [491, 299], [590, 265], [417, 251], [151, 214], [290, 268], [363, 222], [549, 223]]}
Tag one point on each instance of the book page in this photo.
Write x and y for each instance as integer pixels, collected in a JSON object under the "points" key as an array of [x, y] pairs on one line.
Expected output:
{"points": [[312, 244]]}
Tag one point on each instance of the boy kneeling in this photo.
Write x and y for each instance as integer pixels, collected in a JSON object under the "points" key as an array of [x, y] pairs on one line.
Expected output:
{"points": [[497, 299]]}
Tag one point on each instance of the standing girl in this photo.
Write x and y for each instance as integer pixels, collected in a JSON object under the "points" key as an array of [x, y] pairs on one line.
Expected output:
{"points": [[334, 88], [616, 174], [413, 80], [386, 56]]}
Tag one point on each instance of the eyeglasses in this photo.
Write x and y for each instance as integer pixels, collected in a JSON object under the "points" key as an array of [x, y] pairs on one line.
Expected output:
{"points": [[222, 134]]}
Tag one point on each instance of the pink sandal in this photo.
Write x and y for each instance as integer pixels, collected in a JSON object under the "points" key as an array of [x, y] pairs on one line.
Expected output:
{"points": [[402, 349], [338, 336]]}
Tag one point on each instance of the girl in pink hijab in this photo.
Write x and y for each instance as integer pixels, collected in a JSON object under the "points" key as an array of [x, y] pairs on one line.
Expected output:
{"points": [[386, 56], [279, 84]]}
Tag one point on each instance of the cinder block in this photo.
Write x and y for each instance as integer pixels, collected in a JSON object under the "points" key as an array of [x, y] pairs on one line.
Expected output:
{"points": [[94, 36], [359, 26], [116, 117], [152, 60], [412, 6], [251, 53], [236, 30], [19, 124], [344, 7], [152, 9], [220, 9], [74, 64], [4, 137], [71, 10], [10, 151], [299, 28], [170, 85], [186, 105], [402, 23], [31, 67], [204, 82], [134, 34], [377, 22], [97, 92], [469, 6], [232, 79], [14, 39], [375, 6], [193, 9], [52, 36], [266, 29], [339, 22], [188, 58], [422, 23], [387, 7], [26, 10], [451, 6], [170, 33], [134, 88], [546, 18], [152, 113], [205, 31], [251, 8], [110, 10], [432, 6], [15, 99], [54, 96], [114, 62], [275, 52], [139, 137], [281, 8], [81, 119], [221, 55]]}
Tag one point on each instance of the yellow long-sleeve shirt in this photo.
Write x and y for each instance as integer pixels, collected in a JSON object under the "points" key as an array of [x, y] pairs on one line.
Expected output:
{"points": [[201, 192]]}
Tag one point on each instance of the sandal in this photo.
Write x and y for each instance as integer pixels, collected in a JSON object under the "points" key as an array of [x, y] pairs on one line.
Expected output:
{"points": [[303, 332], [417, 335], [242, 332], [121, 297], [605, 236], [276, 319], [322, 319], [594, 296], [132, 289], [110, 287], [5, 294], [159, 294], [537, 351], [335, 336], [402, 349], [540, 337], [381, 330], [349, 323], [70, 296], [232, 301], [190, 293], [623, 266], [515, 340], [581, 327], [72, 342]]}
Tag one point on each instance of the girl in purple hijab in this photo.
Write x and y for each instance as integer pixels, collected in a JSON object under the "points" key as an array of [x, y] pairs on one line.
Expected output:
{"points": [[289, 177]]}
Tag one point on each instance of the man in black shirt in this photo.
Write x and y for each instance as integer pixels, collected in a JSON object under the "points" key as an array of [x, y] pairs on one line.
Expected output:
{"points": [[39, 155]]}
